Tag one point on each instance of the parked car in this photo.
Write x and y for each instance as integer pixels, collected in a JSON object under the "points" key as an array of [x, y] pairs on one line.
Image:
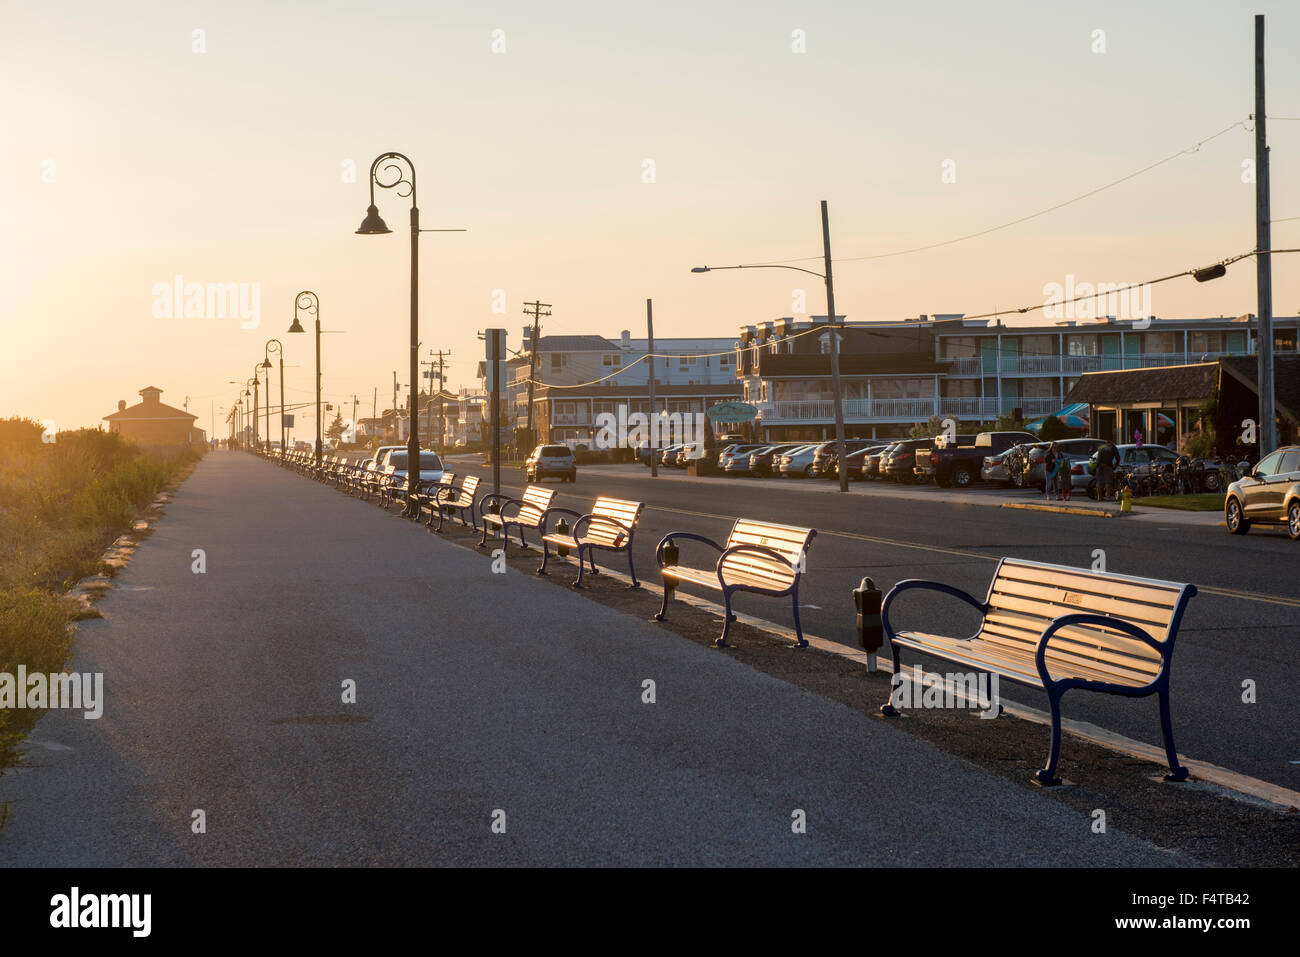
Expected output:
{"points": [[796, 462], [1133, 458], [1033, 470], [430, 465], [553, 461], [1268, 495], [855, 462], [669, 455], [821, 458], [687, 453], [733, 451], [899, 462], [871, 463], [763, 461]]}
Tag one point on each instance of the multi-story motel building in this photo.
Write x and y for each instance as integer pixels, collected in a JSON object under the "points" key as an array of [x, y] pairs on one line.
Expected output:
{"points": [[580, 377], [896, 374]]}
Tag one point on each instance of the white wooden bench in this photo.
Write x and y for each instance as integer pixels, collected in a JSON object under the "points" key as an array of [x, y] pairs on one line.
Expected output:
{"points": [[1056, 627], [760, 557], [529, 512], [610, 526], [448, 499]]}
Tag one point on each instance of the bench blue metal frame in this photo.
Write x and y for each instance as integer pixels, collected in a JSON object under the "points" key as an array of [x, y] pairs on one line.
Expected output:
{"points": [[581, 523], [729, 589], [1056, 688]]}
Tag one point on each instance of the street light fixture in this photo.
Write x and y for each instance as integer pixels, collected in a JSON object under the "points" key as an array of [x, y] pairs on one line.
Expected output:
{"points": [[279, 350], [390, 171], [308, 302], [833, 322]]}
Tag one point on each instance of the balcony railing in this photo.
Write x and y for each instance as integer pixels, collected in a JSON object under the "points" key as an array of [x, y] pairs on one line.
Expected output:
{"points": [[903, 410], [1073, 365]]}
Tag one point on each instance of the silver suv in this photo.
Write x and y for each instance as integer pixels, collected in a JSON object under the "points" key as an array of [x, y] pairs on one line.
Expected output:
{"points": [[1269, 495], [554, 461]]}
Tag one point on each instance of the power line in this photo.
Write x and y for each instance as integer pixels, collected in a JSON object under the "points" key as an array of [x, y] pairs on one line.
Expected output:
{"points": [[1023, 219]]}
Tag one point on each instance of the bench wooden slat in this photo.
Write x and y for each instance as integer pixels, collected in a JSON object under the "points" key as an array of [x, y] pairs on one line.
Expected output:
{"points": [[1070, 600]]}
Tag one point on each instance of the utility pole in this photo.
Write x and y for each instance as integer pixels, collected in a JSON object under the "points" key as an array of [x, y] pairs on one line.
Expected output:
{"points": [[495, 353], [441, 362], [1266, 433], [650, 353], [396, 437], [533, 309], [835, 352]]}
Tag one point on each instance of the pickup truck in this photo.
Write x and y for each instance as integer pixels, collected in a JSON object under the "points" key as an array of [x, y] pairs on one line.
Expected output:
{"points": [[923, 467], [959, 464]]}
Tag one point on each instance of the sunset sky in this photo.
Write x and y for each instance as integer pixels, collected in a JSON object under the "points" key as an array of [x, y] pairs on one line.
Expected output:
{"points": [[228, 166]]}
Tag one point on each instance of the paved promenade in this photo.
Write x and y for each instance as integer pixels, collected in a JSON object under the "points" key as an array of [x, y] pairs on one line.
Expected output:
{"points": [[479, 697]]}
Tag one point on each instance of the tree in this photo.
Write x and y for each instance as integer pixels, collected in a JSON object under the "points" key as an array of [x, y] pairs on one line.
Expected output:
{"points": [[930, 428], [1053, 429], [336, 429]]}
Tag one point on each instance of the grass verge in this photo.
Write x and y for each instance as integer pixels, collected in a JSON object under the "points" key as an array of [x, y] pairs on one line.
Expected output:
{"points": [[1201, 502], [62, 504]]}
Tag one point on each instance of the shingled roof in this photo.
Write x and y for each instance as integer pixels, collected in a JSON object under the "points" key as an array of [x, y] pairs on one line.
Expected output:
{"points": [[1157, 384], [1286, 379]]}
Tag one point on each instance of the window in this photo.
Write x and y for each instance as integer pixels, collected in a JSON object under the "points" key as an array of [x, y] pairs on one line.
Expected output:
{"points": [[724, 360], [559, 360], [1161, 343], [1085, 345], [1284, 340], [1290, 463], [1203, 343], [959, 347], [611, 361]]}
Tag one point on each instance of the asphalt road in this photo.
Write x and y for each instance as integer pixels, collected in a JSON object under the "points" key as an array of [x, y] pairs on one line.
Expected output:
{"points": [[1225, 640], [480, 698]]}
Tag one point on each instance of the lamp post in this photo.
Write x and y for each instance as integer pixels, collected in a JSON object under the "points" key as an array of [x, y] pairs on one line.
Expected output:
{"points": [[250, 413], [835, 344], [308, 302], [279, 350], [390, 171], [257, 440]]}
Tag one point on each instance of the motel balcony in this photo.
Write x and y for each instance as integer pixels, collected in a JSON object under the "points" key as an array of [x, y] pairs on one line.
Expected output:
{"points": [[880, 411]]}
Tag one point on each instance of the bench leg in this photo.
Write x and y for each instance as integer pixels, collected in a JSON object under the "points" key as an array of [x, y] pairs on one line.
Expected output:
{"points": [[483, 538], [581, 567], [663, 608], [1176, 771], [800, 642], [1047, 776], [546, 556], [631, 568], [888, 709], [441, 515], [591, 555], [727, 619]]}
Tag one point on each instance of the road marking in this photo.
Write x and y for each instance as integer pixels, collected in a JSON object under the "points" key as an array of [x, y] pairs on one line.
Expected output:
{"points": [[1237, 593]]}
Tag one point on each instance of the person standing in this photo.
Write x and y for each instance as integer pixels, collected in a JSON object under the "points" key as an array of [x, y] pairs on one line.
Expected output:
{"points": [[1049, 471], [1107, 457]]}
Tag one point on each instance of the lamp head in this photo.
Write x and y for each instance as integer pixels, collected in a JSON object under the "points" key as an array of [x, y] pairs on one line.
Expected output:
{"points": [[373, 224], [700, 269], [297, 326]]}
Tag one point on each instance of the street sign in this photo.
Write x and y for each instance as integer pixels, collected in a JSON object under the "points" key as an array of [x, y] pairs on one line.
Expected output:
{"points": [[288, 421], [732, 412]]}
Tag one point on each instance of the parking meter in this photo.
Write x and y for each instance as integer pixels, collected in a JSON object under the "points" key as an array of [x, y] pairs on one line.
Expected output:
{"points": [[871, 633]]}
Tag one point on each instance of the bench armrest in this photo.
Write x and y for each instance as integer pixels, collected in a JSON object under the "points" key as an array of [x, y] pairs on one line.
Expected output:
{"points": [[585, 521], [503, 502], [668, 539], [918, 583], [556, 510], [1093, 618], [755, 549]]}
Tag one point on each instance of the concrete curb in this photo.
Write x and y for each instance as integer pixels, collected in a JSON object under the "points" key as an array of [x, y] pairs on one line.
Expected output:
{"points": [[1241, 786], [1063, 509]]}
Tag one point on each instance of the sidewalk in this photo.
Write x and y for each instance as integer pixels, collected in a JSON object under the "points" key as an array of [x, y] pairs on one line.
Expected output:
{"points": [[477, 693]]}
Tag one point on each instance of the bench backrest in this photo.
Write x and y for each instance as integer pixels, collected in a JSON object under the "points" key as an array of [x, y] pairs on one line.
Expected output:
{"points": [[537, 499], [1026, 596], [789, 541], [467, 489], [623, 512]]}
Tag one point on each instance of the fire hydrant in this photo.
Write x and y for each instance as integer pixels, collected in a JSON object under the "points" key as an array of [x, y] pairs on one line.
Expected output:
{"points": [[1126, 500]]}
